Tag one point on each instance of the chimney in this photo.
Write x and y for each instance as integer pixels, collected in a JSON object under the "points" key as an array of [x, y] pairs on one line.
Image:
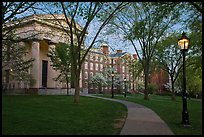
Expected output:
{"points": [[119, 51], [134, 56], [104, 48]]}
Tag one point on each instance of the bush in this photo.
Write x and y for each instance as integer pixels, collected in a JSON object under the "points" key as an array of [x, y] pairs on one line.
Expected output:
{"points": [[151, 88]]}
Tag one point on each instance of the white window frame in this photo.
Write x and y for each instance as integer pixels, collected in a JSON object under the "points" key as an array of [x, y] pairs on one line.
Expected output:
{"points": [[96, 66], [91, 66]]}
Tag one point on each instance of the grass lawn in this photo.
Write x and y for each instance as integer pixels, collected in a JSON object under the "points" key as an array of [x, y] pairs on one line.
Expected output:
{"points": [[171, 111], [58, 115]]}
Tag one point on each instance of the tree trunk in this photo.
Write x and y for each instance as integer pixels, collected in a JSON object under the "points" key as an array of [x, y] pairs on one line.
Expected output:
{"points": [[8, 52], [72, 77], [146, 73], [67, 86], [76, 85], [7, 80], [76, 96], [173, 97]]}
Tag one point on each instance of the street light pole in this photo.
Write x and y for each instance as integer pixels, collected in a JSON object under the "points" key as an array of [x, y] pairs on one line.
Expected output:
{"points": [[185, 116], [112, 75], [125, 86], [112, 86], [184, 43]]}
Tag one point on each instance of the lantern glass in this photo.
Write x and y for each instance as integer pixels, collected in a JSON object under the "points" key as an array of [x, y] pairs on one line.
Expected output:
{"points": [[183, 44], [112, 74]]}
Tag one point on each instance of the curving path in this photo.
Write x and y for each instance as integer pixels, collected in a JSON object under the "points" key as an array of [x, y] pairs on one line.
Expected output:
{"points": [[141, 120]]}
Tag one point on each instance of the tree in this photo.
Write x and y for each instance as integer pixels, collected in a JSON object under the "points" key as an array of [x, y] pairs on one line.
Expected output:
{"points": [[145, 23], [169, 58], [194, 61], [99, 80], [60, 58], [105, 79], [85, 13], [13, 52], [135, 67], [11, 12], [14, 63]]}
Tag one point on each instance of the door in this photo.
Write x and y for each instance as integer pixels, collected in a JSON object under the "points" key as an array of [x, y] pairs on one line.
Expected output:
{"points": [[44, 73]]}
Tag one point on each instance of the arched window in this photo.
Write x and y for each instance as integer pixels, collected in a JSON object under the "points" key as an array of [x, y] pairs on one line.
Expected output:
{"points": [[96, 58], [86, 65], [101, 67], [86, 75], [91, 74], [91, 66], [96, 66], [123, 68]]}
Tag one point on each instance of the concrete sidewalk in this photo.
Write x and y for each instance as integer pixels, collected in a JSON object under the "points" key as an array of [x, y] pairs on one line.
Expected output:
{"points": [[141, 120]]}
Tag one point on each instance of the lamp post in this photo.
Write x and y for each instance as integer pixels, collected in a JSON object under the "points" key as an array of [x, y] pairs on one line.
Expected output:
{"points": [[112, 75], [125, 85], [183, 43]]}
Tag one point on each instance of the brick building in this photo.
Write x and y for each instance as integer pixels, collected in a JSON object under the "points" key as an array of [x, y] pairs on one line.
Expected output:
{"points": [[100, 59]]}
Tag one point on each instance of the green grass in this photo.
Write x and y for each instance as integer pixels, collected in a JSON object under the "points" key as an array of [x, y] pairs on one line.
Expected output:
{"points": [[171, 111], [58, 115]]}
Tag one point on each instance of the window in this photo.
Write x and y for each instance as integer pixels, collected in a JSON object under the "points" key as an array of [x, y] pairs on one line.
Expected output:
{"points": [[123, 76], [123, 68], [101, 67], [96, 58], [86, 75], [86, 65], [86, 84], [91, 74], [96, 66], [101, 59], [91, 57], [110, 61], [91, 66]]}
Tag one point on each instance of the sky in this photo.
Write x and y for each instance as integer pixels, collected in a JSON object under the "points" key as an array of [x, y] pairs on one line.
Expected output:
{"points": [[114, 41]]}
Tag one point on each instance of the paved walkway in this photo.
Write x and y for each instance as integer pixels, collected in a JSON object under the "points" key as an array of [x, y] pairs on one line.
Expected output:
{"points": [[141, 120]]}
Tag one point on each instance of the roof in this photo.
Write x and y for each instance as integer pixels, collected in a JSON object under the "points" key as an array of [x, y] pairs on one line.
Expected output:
{"points": [[48, 19], [117, 54]]}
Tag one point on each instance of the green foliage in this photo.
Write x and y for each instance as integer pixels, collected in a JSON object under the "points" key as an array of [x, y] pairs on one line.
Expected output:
{"points": [[151, 88], [140, 86], [13, 58], [60, 59], [168, 57]]}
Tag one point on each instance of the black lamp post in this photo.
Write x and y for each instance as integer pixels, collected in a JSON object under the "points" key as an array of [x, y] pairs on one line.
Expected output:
{"points": [[183, 43], [125, 85], [112, 75]]}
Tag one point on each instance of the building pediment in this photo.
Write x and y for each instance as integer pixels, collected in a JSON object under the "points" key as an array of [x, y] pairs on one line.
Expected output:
{"points": [[42, 26]]}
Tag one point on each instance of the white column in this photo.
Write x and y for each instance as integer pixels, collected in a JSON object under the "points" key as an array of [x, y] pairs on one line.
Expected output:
{"points": [[51, 72], [35, 71]]}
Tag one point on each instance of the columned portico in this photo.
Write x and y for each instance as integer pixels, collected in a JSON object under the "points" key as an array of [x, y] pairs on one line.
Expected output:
{"points": [[35, 71]]}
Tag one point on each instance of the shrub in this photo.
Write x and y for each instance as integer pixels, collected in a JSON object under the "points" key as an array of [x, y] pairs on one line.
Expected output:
{"points": [[151, 88]]}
